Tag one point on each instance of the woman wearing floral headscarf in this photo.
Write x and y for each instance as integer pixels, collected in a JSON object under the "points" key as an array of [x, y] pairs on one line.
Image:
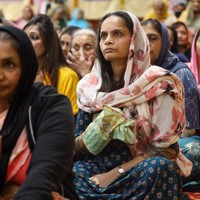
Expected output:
{"points": [[132, 143], [161, 56]]}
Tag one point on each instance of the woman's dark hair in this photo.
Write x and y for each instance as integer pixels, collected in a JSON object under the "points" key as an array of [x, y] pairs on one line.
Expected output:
{"points": [[155, 23], [53, 51], [177, 24], [108, 82], [69, 30], [174, 47]]}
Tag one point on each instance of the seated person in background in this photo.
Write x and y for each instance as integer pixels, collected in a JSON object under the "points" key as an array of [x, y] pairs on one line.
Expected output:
{"points": [[77, 19], [82, 53], [65, 39], [160, 11], [135, 116], [27, 15], [179, 7], [174, 44], [191, 145], [160, 55], [191, 16], [36, 139], [53, 69], [184, 38], [58, 17]]}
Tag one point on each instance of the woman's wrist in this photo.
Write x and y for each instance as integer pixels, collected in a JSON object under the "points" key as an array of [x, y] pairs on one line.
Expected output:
{"points": [[80, 146]]}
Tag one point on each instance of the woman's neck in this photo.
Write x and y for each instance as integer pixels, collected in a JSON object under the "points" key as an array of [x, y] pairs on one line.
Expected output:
{"points": [[4, 105], [118, 70], [182, 49], [196, 14], [40, 63]]}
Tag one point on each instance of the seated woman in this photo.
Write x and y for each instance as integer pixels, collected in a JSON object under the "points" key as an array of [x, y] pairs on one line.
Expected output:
{"points": [[53, 69], [184, 38], [65, 39], [27, 15], [135, 116], [160, 55], [160, 11], [78, 19], [191, 145], [174, 44], [82, 54], [36, 126]]}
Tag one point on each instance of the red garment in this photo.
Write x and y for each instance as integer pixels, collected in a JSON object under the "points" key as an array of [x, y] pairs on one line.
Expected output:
{"points": [[19, 160], [20, 176]]}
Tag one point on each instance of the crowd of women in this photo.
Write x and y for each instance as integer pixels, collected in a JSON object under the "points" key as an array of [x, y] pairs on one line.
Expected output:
{"points": [[106, 113]]}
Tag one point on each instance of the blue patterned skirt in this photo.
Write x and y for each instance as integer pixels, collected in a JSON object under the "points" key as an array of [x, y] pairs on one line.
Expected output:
{"points": [[153, 179]]}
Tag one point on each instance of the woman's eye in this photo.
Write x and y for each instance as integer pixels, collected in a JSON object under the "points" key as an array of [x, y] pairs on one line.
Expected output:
{"points": [[117, 34], [103, 36], [88, 47], [76, 48], [152, 38], [62, 43], [34, 37], [9, 65]]}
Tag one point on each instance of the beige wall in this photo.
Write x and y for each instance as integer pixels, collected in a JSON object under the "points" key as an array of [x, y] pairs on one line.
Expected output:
{"points": [[138, 7], [11, 9], [93, 9]]}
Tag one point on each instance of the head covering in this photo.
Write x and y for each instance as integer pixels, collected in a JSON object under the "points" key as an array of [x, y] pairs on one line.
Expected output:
{"points": [[174, 48], [17, 114], [28, 60], [89, 97], [179, 23], [193, 64], [178, 2], [74, 21], [164, 15], [166, 58]]}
